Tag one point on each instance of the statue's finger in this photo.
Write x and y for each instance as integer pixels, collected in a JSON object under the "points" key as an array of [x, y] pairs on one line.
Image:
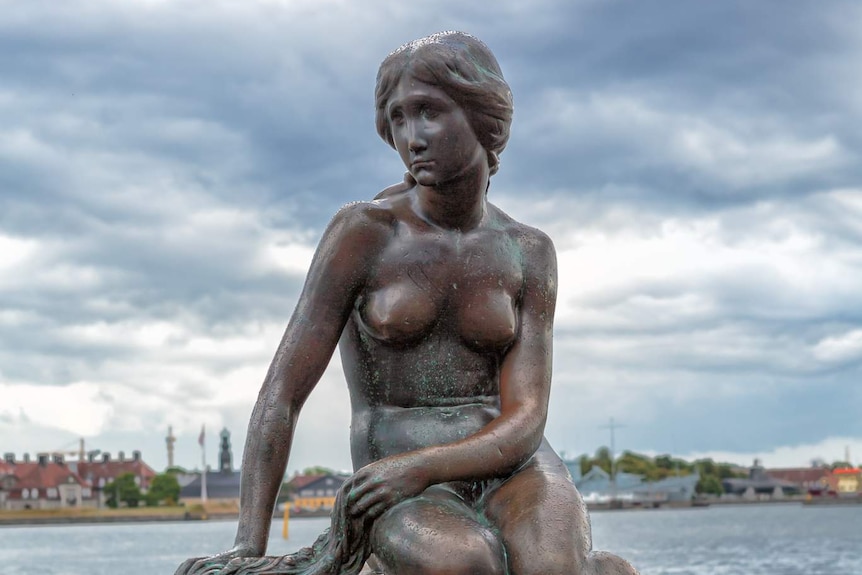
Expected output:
{"points": [[368, 501], [185, 566], [359, 493], [377, 509], [197, 566], [235, 565], [206, 566]]}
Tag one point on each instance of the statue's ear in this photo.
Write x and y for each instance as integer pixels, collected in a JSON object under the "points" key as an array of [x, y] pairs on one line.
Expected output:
{"points": [[493, 162]]}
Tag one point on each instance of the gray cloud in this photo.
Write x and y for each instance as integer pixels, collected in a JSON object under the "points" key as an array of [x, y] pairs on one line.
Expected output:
{"points": [[166, 169]]}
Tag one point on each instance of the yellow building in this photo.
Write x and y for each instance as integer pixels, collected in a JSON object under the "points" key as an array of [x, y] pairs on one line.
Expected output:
{"points": [[315, 492], [847, 481]]}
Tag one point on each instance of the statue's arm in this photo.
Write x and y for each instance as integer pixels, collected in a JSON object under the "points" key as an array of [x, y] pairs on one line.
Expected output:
{"points": [[525, 374], [337, 273], [511, 438]]}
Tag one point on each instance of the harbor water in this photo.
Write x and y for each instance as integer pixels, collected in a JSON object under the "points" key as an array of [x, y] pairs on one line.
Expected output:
{"points": [[776, 539]]}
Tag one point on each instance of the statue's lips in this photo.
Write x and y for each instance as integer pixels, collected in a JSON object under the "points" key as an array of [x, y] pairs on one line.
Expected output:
{"points": [[420, 164]]}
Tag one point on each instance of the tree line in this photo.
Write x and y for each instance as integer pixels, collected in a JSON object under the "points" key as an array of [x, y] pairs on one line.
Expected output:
{"points": [[662, 466]]}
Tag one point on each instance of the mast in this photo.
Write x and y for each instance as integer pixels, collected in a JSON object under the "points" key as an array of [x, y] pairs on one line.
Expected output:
{"points": [[612, 426]]}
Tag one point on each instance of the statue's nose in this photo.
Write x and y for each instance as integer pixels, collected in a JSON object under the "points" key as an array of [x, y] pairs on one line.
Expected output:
{"points": [[416, 140]]}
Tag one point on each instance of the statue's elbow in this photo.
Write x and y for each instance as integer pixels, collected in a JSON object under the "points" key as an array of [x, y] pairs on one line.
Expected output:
{"points": [[534, 437]]}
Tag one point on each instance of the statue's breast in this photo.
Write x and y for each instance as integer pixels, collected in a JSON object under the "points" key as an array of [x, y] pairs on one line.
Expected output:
{"points": [[487, 318], [400, 313], [462, 292]]}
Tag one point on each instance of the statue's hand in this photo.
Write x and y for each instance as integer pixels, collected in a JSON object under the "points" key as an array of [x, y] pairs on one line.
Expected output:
{"points": [[213, 564], [380, 485]]}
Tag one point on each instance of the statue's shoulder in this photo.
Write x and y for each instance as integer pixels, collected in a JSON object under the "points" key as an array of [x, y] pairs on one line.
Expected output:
{"points": [[382, 207], [364, 222], [528, 237], [388, 206]]}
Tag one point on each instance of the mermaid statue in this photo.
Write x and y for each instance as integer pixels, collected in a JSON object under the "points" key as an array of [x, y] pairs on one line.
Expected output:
{"points": [[442, 308]]}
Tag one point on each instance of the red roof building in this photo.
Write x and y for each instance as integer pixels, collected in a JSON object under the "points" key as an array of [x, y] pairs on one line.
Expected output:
{"points": [[299, 481], [51, 483], [811, 479], [103, 471], [45, 484]]}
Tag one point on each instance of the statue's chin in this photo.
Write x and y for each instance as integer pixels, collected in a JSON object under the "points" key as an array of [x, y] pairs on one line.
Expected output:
{"points": [[424, 178]]}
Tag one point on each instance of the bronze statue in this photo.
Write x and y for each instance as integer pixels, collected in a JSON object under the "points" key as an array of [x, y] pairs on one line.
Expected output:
{"points": [[442, 306]]}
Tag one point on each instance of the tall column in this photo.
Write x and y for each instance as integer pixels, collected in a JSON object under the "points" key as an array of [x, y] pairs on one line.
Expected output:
{"points": [[170, 440]]}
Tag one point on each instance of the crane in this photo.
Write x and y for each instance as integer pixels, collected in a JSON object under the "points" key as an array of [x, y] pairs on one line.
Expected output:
{"points": [[80, 453]]}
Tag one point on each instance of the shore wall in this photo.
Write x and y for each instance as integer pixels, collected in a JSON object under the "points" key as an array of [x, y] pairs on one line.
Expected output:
{"points": [[136, 515], [72, 520], [124, 515]]}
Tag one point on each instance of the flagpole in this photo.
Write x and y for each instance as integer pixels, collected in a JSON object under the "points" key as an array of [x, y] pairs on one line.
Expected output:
{"points": [[202, 441]]}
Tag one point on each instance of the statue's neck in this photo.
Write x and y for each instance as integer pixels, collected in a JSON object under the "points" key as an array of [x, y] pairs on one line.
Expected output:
{"points": [[459, 205]]}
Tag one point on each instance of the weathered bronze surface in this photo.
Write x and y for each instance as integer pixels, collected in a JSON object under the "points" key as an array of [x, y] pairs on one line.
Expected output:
{"points": [[442, 307]]}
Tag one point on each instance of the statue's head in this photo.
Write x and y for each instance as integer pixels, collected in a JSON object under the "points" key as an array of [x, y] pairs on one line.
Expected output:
{"points": [[463, 67]]}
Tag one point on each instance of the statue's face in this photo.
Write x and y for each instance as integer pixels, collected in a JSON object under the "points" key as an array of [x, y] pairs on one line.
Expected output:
{"points": [[431, 133]]}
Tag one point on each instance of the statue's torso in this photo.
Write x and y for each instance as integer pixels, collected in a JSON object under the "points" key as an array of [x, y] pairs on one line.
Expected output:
{"points": [[423, 347]]}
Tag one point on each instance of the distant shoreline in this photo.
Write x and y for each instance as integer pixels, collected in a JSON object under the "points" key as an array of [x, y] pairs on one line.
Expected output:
{"points": [[39, 517], [696, 504], [85, 520]]}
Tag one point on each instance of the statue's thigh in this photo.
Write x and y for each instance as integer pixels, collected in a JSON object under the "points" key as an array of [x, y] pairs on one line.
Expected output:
{"points": [[435, 533], [541, 519]]}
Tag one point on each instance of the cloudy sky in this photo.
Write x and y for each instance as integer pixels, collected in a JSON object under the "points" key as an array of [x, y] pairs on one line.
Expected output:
{"points": [[166, 169]]}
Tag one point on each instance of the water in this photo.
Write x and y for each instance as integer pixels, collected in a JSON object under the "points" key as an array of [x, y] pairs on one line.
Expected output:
{"points": [[720, 540]]}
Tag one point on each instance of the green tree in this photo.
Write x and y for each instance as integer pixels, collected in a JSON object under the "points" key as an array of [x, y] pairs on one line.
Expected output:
{"points": [[318, 470], [662, 466], [164, 489], [709, 484], [603, 458], [585, 462], [123, 490], [630, 462], [726, 471], [706, 467]]}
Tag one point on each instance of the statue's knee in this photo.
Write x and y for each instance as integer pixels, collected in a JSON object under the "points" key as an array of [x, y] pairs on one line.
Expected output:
{"points": [[546, 565], [603, 563], [559, 559], [481, 552], [412, 549]]}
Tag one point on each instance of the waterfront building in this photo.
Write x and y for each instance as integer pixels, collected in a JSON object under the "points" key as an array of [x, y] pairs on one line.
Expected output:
{"points": [[759, 485], [222, 485], [813, 480], [51, 482], [596, 486], [846, 482], [315, 492], [47, 483]]}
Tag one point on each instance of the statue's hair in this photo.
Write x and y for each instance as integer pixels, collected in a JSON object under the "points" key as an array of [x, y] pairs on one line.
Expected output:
{"points": [[466, 70]]}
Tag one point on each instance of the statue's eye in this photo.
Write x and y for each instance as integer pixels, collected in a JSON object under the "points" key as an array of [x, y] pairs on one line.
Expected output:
{"points": [[428, 112], [396, 117]]}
